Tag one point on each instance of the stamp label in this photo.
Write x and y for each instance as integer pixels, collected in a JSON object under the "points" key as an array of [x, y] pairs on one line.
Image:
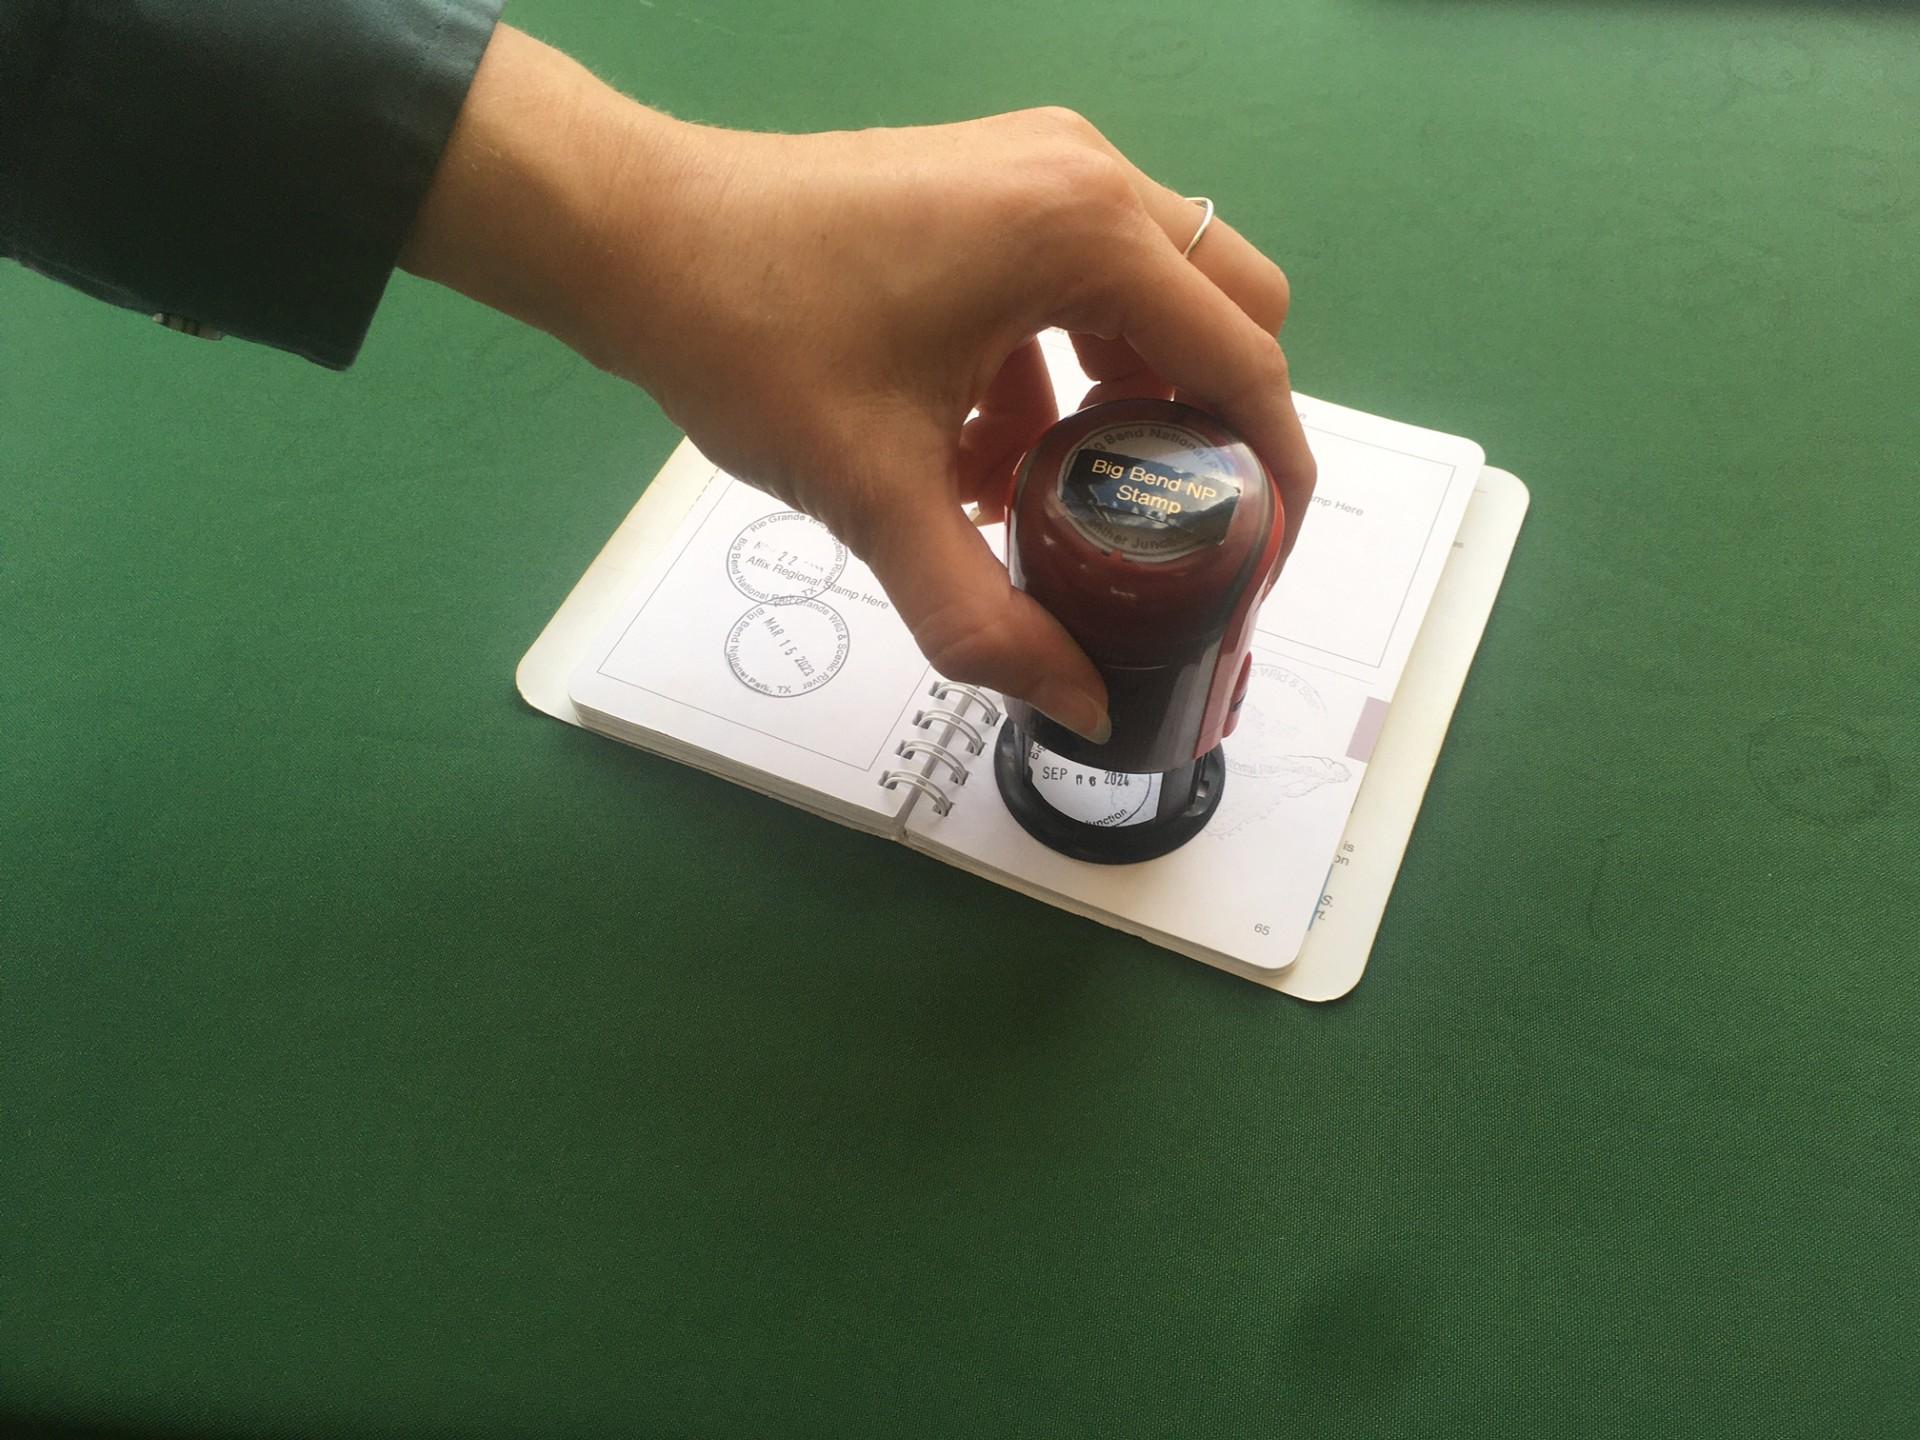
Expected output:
{"points": [[1147, 491]]}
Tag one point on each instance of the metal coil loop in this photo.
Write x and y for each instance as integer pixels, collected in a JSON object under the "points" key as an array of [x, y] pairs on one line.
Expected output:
{"points": [[910, 748], [975, 741], [947, 689], [894, 779]]}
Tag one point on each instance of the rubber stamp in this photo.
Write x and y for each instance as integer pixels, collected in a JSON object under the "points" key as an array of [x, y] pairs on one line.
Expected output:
{"points": [[1152, 533]]}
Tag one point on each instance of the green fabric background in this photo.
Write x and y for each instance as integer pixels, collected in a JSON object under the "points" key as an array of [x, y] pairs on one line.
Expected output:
{"points": [[378, 1057]]}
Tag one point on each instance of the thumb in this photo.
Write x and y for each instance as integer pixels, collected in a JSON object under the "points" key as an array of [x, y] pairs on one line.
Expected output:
{"points": [[970, 622]]}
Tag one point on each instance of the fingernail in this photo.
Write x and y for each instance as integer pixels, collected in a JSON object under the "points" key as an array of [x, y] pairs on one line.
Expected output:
{"points": [[1075, 709]]}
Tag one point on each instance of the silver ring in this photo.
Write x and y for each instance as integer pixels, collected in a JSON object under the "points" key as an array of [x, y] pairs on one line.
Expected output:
{"points": [[1205, 221]]}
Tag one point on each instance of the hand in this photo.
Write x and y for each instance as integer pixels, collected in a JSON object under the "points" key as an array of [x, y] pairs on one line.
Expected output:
{"points": [[821, 313]]}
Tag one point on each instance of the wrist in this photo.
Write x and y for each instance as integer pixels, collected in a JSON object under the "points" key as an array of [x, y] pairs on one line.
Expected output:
{"points": [[539, 172]]}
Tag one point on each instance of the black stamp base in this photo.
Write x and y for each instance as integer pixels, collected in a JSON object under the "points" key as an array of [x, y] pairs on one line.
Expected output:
{"points": [[1188, 798]]}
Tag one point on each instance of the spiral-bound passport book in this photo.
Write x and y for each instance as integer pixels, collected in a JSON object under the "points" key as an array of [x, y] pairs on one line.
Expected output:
{"points": [[725, 631]]}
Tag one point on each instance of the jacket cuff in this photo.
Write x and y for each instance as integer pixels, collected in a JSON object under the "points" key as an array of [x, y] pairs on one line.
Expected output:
{"points": [[250, 166]]}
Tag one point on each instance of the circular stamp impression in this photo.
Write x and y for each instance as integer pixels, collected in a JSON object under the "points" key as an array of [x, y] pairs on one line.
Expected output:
{"points": [[784, 557], [787, 650], [1818, 770], [1267, 742], [1107, 798]]}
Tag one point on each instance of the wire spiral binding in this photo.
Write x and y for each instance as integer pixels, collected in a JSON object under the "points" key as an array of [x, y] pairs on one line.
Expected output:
{"points": [[947, 689], [894, 779], [954, 715], [910, 748], [976, 742]]}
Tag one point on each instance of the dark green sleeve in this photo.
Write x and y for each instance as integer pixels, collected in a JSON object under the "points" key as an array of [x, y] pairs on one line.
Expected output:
{"points": [[252, 166]]}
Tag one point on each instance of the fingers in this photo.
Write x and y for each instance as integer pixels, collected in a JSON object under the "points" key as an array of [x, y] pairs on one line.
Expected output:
{"points": [[1118, 369], [1142, 386], [1187, 330], [971, 624], [1247, 277], [1017, 407], [1224, 255]]}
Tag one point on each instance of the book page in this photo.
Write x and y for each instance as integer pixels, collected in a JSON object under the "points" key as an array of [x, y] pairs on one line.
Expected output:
{"points": [[1388, 504], [756, 646], [1246, 886]]}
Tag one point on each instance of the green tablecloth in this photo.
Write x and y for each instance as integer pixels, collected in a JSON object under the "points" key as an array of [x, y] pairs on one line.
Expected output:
{"points": [[378, 1056]]}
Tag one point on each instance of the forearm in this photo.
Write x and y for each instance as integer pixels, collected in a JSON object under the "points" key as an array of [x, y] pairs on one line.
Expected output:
{"points": [[519, 209]]}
